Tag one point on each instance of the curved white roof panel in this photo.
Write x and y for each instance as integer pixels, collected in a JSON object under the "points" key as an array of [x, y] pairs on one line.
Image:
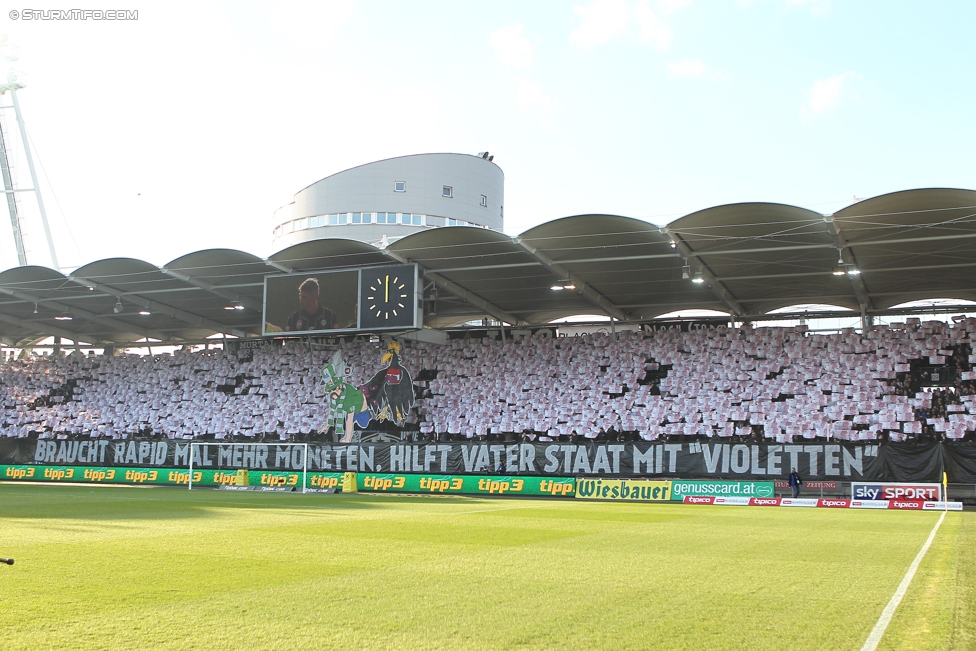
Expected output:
{"points": [[751, 257]]}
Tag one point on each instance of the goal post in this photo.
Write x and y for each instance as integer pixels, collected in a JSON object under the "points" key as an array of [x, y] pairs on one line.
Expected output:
{"points": [[227, 449]]}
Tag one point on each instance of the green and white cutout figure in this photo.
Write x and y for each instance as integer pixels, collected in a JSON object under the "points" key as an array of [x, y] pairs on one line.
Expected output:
{"points": [[347, 404]]}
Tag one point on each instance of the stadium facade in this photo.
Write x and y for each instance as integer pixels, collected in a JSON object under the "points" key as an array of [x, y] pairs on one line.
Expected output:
{"points": [[386, 200]]}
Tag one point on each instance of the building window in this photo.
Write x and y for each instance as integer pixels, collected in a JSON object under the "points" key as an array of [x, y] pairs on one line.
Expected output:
{"points": [[357, 218], [301, 224], [484, 201], [399, 186], [418, 220], [448, 191], [367, 218], [333, 219]]}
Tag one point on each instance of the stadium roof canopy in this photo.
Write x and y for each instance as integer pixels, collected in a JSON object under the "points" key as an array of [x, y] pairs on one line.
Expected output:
{"points": [[752, 258]]}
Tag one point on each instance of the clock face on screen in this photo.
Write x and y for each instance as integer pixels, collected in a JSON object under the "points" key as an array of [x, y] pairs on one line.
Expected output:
{"points": [[387, 297]]}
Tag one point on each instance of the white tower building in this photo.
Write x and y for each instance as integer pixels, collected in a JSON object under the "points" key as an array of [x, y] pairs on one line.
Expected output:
{"points": [[383, 201]]}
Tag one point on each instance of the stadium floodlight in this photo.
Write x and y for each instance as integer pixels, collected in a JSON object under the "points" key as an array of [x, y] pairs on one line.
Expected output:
{"points": [[698, 278], [228, 451], [118, 306], [62, 318], [144, 312], [686, 272], [556, 288], [838, 272], [853, 272], [11, 87]]}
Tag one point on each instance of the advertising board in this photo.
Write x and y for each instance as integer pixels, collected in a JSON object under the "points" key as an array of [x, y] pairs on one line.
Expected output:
{"points": [[895, 491], [263, 479], [765, 501], [833, 504], [799, 501], [628, 490], [466, 485], [682, 488], [826, 486], [869, 504]]}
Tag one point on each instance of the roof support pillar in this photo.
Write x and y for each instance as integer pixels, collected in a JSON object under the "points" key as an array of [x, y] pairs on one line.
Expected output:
{"points": [[49, 330], [85, 314], [694, 260], [213, 289], [588, 292], [161, 308], [279, 266], [847, 257]]}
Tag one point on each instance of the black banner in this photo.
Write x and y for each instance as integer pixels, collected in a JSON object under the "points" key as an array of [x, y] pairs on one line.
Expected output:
{"points": [[814, 461]]}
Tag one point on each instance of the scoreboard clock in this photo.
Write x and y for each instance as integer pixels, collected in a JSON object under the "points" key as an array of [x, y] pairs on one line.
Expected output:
{"points": [[388, 297]]}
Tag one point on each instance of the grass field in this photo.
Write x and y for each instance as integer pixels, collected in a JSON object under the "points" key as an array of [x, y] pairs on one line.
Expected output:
{"points": [[129, 568]]}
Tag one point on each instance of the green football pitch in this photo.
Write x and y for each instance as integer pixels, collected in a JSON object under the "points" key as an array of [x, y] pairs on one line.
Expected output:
{"points": [[138, 568]]}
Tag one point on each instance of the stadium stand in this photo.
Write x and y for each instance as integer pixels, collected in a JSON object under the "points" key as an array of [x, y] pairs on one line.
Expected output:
{"points": [[777, 383]]}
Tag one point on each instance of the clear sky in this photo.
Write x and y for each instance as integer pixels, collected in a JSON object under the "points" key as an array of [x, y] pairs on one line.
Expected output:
{"points": [[186, 128]]}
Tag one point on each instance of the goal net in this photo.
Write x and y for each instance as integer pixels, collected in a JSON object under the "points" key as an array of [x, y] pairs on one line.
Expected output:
{"points": [[253, 466]]}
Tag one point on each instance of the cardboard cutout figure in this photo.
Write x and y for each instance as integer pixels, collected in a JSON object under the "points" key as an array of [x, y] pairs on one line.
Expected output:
{"points": [[387, 396]]}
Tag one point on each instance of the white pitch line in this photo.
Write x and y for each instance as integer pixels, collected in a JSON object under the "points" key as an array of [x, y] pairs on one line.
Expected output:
{"points": [[508, 508], [878, 631]]}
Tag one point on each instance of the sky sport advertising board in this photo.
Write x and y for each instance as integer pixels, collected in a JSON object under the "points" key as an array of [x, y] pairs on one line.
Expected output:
{"points": [[341, 301], [880, 491]]}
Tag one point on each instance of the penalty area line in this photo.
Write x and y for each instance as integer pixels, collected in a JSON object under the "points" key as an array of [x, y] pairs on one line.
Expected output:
{"points": [[879, 629]]}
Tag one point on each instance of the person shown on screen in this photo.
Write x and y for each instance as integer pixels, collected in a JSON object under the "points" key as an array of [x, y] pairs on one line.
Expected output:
{"points": [[311, 315]]}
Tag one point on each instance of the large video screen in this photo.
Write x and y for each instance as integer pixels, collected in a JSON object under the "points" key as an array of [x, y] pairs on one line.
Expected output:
{"points": [[345, 300]]}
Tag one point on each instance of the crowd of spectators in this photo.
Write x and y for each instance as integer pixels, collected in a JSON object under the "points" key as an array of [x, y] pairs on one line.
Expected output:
{"points": [[911, 381]]}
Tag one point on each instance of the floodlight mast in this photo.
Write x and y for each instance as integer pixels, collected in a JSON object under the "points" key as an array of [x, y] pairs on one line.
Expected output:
{"points": [[12, 86], [8, 188]]}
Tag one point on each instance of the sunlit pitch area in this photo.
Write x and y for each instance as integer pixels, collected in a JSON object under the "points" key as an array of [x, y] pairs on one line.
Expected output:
{"points": [[117, 568]]}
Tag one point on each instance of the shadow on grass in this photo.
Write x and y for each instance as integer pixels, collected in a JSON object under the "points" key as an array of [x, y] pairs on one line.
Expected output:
{"points": [[107, 502]]}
